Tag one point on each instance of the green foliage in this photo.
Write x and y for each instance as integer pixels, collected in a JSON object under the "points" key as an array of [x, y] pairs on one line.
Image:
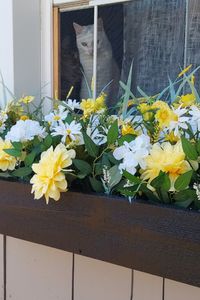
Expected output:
{"points": [[161, 182], [185, 198], [189, 149], [30, 158], [113, 133], [183, 181], [90, 146], [22, 172], [97, 185], [13, 152], [83, 166]]}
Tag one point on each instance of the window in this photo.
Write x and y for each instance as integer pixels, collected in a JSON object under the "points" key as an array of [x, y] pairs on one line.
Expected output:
{"points": [[99, 41]]}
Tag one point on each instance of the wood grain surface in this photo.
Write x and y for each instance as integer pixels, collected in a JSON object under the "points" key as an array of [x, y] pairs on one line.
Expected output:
{"points": [[158, 240]]}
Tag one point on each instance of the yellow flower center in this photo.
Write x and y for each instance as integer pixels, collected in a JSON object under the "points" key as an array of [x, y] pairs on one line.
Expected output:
{"points": [[68, 131], [56, 118], [24, 118]]}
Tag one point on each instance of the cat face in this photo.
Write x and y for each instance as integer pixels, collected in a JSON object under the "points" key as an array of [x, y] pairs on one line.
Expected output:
{"points": [[85, 37]]}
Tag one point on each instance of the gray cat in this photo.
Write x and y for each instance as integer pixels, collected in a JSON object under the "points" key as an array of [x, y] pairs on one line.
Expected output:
{"points": [[107, 69]]}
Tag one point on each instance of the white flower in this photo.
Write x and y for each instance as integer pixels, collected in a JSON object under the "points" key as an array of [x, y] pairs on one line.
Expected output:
{"points": [[197, 189], [132, 154], [97, 137], [180, 122], [195, 119], [71, 131], [73, 104], [58, 114], [24, 131], [3, 118]]}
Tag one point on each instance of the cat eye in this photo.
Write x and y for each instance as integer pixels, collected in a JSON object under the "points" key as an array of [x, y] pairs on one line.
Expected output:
{"points": [[84, 44]]}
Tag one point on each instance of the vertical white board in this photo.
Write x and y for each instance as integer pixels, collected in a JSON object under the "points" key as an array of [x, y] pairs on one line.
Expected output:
{"points": [[179, 291], [98, 280], [147, 286], [1, 268], [36, 272]]}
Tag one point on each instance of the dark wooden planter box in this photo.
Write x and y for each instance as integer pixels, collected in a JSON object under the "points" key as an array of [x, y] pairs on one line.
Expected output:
{"points": [[158, 240]]}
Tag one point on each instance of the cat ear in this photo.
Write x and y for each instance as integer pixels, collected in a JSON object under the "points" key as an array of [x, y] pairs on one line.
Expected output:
{"points": [[100, 24], [78, 28]]}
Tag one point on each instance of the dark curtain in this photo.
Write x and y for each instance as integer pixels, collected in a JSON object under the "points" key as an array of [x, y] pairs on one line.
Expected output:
{"points": [[154, 38]]}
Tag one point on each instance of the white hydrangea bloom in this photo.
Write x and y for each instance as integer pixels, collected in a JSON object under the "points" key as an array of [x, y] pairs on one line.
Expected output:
{"points": [[132, 154], [24, 131], [72, 131]]}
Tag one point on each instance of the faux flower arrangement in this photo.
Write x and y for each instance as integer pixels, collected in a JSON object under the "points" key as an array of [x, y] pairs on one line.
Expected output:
{"points": [[151, 148]]}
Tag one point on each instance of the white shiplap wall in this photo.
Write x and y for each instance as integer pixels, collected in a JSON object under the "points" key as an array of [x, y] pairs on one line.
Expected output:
{"points": [[37, 272]]}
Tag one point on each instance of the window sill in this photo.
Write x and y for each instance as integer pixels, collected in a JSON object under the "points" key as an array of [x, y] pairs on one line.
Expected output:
{"points": [[154, 239]]}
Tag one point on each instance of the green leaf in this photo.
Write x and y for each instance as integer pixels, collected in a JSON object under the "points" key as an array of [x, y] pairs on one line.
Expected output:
{"points": [[131, 177], [48, 141], [90, 146], [22, 172], [198, 146], [98, 168], [129, 191], [189, 149], [166, 183], [164, 195], [17, 145], [128, 93], [126, 138], [115, 176], [105, 160], [13, 152], [30, 158], [113, 133], [82, 166], [185, 195], [5, 175], [112, 159], [183, 181], [162, 181], [185, 198], [96, 185]]}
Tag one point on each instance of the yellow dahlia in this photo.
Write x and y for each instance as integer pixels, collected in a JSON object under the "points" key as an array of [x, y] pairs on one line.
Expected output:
{"points": [[187, 100], [7, 162], [49, 179], [128, 129], [145, 110], [166, 158], [90, 106]]}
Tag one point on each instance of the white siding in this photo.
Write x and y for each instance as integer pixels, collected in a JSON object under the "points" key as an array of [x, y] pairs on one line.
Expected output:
{"points": [[97, 280], [36, 272], [178, 291], [147, 286], [1, 268]]}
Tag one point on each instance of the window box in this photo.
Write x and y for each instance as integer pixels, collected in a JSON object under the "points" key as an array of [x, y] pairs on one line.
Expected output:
{"points": [[159, 240]]}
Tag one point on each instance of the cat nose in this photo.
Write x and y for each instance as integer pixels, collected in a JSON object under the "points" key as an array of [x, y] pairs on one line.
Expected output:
{"points": [[91, 52]]}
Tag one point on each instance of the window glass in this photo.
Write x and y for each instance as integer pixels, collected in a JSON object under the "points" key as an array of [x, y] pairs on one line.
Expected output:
{"points": [[151, 34], [76, 51]]}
